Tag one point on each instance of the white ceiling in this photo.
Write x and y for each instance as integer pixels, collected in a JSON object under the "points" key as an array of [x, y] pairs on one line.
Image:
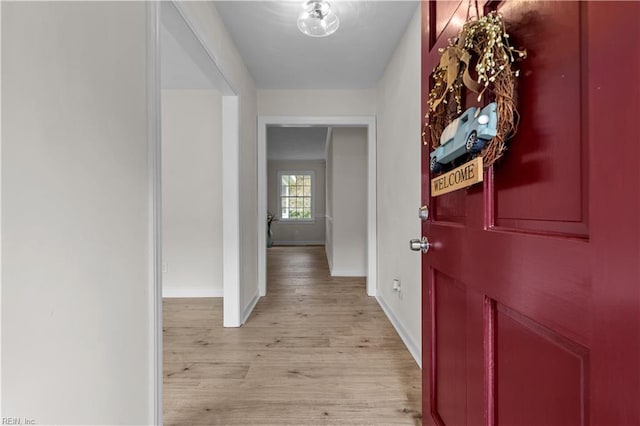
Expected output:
{"points": [[296, 143], [279, 56]]}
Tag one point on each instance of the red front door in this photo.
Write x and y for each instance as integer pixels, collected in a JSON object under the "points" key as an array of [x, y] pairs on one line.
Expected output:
{"points": [[531, 294]]}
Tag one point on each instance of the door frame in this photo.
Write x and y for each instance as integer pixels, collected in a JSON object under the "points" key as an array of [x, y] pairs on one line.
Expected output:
{"points": [[0, 208], [230, 192], [367, 121]]}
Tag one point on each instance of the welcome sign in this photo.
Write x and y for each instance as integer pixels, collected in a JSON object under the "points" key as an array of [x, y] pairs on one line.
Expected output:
{"points": [[461, 177]]}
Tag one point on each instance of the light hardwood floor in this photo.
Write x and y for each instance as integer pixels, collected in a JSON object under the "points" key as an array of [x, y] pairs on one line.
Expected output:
{"points": [[315, 351]]}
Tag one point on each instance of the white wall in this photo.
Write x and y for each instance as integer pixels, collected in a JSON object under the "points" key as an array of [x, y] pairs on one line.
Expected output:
{"points": [[316, 102], [348, 200], [291, 233], [328, 247], [218, 40], [75, 196], [192, 193], [399, 186]]}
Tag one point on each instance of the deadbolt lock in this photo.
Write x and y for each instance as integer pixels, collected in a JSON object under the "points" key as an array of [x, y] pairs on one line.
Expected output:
{"points": [[423, 213]]}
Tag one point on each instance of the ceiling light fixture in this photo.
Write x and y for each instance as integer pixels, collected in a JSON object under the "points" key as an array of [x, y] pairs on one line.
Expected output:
{"points": [[317, 19]]}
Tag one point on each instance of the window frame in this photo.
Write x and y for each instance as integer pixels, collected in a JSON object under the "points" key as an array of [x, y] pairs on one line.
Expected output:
{"points": [[311, 173]]}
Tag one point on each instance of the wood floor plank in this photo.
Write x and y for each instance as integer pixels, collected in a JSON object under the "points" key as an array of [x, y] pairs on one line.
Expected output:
{"points": [[316, 351]]}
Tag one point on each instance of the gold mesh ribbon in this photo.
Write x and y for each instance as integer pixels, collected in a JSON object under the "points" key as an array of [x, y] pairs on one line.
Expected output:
{"points": [[450, 61]]}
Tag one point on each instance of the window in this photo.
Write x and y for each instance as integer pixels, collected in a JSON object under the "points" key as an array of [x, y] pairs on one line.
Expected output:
{"points": [[296, 195]]}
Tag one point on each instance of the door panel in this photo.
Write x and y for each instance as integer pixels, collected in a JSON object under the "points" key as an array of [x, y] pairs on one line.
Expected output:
{"points": [[541, 376], [443, 11], [451, 349], [451, 207], [458, 372], [475, 361], [533, 278], [543, 185]]}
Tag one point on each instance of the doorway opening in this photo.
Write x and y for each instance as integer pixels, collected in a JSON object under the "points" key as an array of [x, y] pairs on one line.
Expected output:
{"points": [[191, 79], [194, 122], [367, 212], [317, 187], [296, 182]]}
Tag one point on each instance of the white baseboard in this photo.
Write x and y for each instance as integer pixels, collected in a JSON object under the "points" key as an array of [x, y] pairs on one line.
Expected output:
{"points": [[414, 349], [252, 304], [192, 292], [329, 259], [344, 273], [298, 243]]}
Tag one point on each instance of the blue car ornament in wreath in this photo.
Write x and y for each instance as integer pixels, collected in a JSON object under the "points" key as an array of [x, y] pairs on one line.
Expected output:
{"points": [[466, 134]]}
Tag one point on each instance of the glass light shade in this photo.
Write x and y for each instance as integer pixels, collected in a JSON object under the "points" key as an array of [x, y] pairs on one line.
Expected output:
{"points": [[317, 19]]}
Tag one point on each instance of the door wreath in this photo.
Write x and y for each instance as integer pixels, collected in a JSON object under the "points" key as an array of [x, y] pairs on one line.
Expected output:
{"points": [[480, 59]]}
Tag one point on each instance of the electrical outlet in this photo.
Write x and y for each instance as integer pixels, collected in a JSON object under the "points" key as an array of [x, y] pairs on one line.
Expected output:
{"points": [[165, 267], [396, 285]]}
